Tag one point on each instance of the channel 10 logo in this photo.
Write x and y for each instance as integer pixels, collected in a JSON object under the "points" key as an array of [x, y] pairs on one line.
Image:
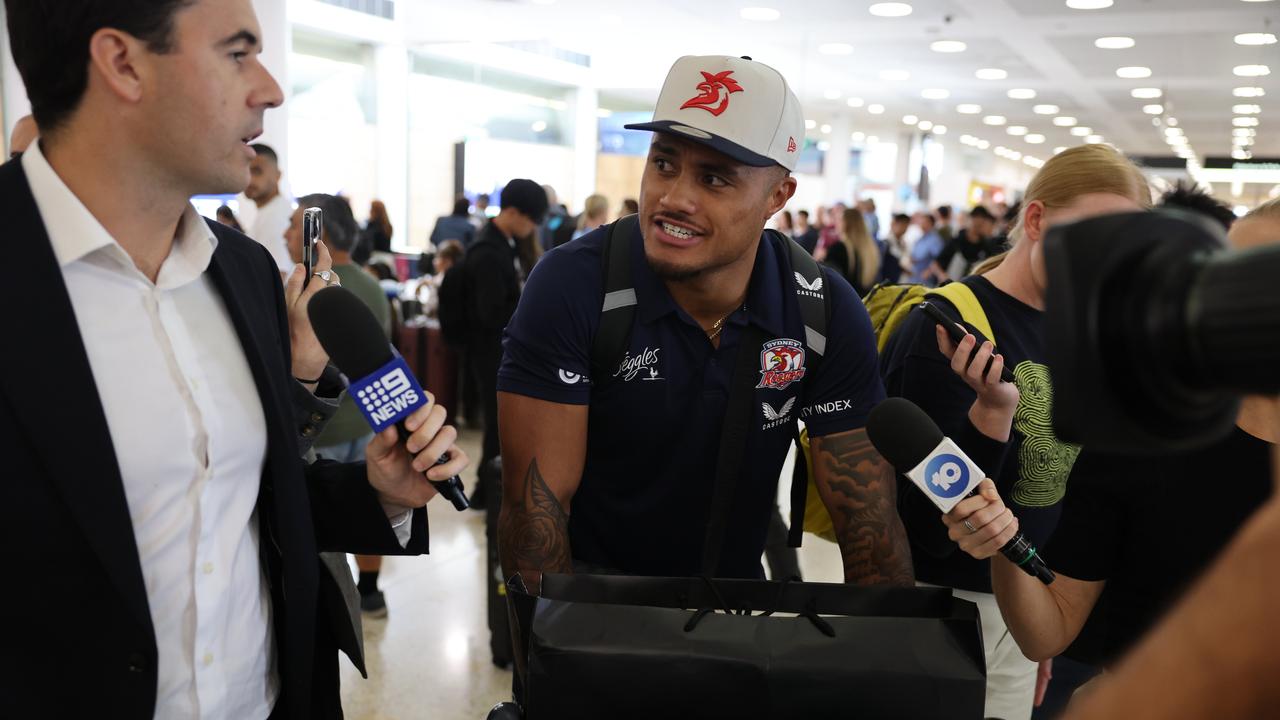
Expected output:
{"points": [[947, 475]]}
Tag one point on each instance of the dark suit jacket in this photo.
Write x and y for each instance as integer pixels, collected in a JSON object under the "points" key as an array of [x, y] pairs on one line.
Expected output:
{"points": [[79, 640]]}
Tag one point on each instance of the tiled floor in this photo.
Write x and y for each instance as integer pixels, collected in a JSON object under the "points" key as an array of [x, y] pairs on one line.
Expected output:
{"points": [[430, 657]]}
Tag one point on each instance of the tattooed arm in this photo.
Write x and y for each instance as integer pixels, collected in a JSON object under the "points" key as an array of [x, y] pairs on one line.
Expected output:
{"points": [[859, 489], [544, 448]]}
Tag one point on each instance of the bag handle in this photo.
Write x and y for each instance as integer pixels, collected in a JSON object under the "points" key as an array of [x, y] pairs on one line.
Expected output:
{"points": [[810, 612]]}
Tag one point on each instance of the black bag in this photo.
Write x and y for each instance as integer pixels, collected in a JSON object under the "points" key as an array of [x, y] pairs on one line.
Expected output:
{"points": [[452, 310], [643, 647]]}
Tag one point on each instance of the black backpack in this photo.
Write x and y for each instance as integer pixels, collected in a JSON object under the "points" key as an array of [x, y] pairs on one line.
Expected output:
{"points": [[617, 315], [452, 310]]}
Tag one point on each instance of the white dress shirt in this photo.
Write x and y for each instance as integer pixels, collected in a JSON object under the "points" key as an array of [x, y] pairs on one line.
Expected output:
{"points": [[267, 226], [189, 434]]}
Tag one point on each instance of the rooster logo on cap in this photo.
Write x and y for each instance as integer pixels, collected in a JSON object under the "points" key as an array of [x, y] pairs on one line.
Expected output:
{"points": [[715, 88]]}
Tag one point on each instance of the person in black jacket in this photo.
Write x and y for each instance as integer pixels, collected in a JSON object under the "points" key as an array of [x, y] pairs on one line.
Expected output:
{"points": [[492, 278], [152, 454]]}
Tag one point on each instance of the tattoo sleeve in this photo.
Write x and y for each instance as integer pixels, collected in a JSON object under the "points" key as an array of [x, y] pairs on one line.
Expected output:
{"points": [[861, 495], [533, 532]]}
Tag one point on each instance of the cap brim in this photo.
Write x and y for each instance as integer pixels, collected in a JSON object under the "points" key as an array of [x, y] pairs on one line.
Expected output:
{"points": [[702, 137]]}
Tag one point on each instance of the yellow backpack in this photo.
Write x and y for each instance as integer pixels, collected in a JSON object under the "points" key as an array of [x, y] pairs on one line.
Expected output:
{"points": [[888, 306]]}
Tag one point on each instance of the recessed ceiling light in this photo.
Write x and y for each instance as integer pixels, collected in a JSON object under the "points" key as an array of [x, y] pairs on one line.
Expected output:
{"points": [[760, 14], [910, 119], [935, 93], [1034, 138], [825, 129], [1146, 93], [925, 125], [1058, 149], [1251, 70], [890, 9], [1244, 132], [992, 74], [835, 49], [858, 136], [969, 109], [1133, 72], [1255, 38], [1241, 155], [1093, 139], [1246, 109], [939, 129], [1016, 130], [1046, 109], [1171, 131], [984, 144], [1249, 92], [1014, 155], [1114, 42], [895, 75], [1153, 109], [1172, 122], [810, 124], [948, 46], [1064, 121], [993, 120], [1081, 131], [1021, 94], [1244, 121], [875, 109], [1089, 4], [832, 94], [967, 139], [854, 102]]}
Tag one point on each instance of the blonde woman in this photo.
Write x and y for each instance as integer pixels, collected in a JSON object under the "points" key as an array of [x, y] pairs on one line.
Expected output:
{"points": [[856, 256], [595, 212], [1025, 459]]}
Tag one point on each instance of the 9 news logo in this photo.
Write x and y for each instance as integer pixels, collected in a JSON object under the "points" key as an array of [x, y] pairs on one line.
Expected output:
{"points": [[947, 475]]}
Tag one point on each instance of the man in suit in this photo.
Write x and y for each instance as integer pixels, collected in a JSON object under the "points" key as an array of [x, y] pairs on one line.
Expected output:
{"points": [[150, 446]]}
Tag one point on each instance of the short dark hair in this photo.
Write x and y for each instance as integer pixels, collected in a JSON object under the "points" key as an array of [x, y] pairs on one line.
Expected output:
{"points": [[1185, 196], [50, 45], [266, 151], [461, 206], [631, 205], [527, 197], [981, 213], [340, 228], [803, 213], [901, 217], [944, 212]]}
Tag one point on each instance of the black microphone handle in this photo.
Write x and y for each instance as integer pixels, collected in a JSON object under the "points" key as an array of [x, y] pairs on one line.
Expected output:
{"points": [[1022, 553], [451, 488]]}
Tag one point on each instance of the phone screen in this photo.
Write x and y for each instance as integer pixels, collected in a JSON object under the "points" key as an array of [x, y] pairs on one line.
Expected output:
{"points": [[311, 220]]}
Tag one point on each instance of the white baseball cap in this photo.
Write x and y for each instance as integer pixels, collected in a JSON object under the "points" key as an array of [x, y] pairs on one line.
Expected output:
{"points": [[736, 106]]}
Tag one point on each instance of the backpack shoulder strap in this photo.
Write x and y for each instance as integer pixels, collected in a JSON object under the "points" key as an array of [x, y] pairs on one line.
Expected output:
{"points": [[618, 301], [961, 296]]}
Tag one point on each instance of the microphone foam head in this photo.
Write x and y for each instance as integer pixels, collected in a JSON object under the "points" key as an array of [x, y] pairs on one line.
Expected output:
{"points": [[348, 331], [902, 433]]}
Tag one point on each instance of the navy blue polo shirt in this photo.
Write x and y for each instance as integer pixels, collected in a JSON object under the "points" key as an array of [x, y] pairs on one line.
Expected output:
{"points": [[654, 430]]}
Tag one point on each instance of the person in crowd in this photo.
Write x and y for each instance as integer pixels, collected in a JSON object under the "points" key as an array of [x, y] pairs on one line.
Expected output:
{"points": [[454, 226], [228, 218], [272, 208], [832, 231], [183, 533], [784, 224], [595, 213], [893, 249], [379, 229], [868, 207], [480, 215], [1110, 589], [24, 133], [856, 256], [347, 434], [557, 223], [1028, 463], [945, 230], [973, 245], [448, 256], [805, 234], [492, 278], [925, 250], [1186, 196], [590, 459], [629, 207]]}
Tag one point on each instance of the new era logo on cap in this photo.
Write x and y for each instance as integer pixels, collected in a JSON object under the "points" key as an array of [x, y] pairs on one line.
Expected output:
{"points": [[737, 106]]}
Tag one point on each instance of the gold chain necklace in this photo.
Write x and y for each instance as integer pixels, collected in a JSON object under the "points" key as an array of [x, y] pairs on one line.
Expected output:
{"points": [[718, 325]]}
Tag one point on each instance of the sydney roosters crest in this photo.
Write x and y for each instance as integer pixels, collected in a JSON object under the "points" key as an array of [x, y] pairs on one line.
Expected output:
{"points": [[781, 363], [715, 89]]}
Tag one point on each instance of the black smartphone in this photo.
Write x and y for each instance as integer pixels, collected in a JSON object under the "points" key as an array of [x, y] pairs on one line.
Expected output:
{"points": [[311, 219], [957, 333]]}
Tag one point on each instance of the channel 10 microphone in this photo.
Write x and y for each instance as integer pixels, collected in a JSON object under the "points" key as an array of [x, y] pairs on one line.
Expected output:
{"points": [[911, 441], [381, 383]]}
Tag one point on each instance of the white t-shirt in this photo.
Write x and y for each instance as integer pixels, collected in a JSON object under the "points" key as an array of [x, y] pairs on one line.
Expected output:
{"points": [[268, 225]]}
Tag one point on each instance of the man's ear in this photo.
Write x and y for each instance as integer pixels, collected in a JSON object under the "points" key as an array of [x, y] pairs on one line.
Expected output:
{"points": [[114, 60], [780, 195]]}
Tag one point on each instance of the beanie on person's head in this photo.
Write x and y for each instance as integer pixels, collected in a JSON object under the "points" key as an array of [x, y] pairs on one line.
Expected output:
{"points": [[526, 196]]}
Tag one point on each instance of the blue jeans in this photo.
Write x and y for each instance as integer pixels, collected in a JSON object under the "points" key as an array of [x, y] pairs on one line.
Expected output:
{"points": [[346, 452]]}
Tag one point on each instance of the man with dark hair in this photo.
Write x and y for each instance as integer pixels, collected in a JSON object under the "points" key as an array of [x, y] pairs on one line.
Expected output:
{"points": [[806, 234], [273, 209], [945, 231], [454, 226], [973, 245], [1189, 197], [480, 215], [151, 451]]}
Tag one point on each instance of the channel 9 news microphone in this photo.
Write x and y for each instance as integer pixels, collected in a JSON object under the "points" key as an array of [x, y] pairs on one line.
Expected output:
{"points": [[381, 383], [911, 441]]}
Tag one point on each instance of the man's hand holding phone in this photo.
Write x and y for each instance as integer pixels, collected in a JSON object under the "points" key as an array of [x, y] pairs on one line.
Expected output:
{"points": [[309, 358]]}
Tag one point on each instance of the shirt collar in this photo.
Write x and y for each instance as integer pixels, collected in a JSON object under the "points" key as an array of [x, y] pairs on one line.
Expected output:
{"points": [[764, 299], [75, 234]]}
